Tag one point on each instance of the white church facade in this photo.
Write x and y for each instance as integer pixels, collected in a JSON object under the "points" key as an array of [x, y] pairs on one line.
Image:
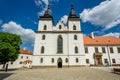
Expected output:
{"points": [[59, 45], [64, 45]]}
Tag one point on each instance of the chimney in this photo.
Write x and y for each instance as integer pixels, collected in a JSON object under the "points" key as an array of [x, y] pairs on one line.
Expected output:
{"points": [[92, 35]]}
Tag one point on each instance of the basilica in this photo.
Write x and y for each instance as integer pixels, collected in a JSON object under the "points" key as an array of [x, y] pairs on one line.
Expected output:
{"points": [[65, 46]]}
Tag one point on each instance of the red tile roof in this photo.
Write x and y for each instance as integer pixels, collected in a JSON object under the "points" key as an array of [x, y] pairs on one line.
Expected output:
{"points": [[22, 51], [27, 61], [101, 40]]}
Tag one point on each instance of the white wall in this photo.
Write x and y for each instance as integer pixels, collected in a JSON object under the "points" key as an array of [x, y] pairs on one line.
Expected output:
{"points": [[16, 64], [50, 44], [71, 23], [106, 55], [48, 23]]}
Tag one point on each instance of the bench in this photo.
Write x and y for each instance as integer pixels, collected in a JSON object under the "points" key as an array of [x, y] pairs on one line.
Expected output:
{"points": [[116, 70], [115, 64]]}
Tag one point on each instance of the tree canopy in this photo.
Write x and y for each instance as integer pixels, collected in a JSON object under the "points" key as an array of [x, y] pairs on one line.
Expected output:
{"points": [[9, 47]]}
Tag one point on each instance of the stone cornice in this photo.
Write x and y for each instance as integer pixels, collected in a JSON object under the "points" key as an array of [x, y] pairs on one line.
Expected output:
{"points": [[101, 44], [59, 31], [60, 55]]}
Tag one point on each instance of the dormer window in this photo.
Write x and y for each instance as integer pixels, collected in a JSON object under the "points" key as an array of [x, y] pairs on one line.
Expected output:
{"points": [[60, 26], [74, 27], [45, 27]]}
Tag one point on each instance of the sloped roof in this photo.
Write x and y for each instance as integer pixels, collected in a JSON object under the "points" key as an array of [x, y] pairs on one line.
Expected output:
{"points": [[22, 51], [101, 40], [27, 61]]}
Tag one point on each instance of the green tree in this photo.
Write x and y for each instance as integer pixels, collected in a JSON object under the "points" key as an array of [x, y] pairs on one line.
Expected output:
{"points": [[9, 47]]}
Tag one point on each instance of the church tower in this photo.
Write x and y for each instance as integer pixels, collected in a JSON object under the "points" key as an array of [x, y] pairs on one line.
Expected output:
{"points": [[73, 20], [45, 25], [75, 39], [46, 21]]}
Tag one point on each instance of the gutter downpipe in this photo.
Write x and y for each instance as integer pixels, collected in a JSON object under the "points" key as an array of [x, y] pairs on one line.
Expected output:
{"points": [[109, 56], [68, 49]]}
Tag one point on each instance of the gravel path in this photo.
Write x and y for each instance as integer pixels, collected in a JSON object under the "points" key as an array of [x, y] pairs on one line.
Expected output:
{"points": [[77, 73]]}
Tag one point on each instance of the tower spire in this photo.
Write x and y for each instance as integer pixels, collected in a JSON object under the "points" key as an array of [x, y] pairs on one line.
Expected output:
{"points": [[48, 12], [72, 11], [47, 15], [48, 6]]}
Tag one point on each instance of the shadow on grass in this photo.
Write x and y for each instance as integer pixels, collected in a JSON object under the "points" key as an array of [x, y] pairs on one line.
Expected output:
{"points": [[4, 75]]}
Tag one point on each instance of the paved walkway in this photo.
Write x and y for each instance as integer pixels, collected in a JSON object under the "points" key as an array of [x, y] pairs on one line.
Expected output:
{"points": [[81, 73]]}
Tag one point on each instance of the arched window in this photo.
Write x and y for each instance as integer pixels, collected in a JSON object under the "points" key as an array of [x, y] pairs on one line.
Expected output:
{"points": [[77, 60], [60, 26], [41, 60], [66, 60], [60, 44], [76, 49], [45, 27], [43, 37], [42, 49], [52, 60], [74, 27], [75, 37]]}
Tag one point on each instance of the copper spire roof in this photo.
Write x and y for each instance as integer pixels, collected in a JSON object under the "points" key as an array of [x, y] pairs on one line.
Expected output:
{"points": [[72, 12], [47, 15], [48, 12]]}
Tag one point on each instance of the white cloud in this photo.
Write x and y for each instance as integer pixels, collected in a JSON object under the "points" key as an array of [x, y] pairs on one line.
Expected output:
{"points": [[35, 22], [38, 2], [25, 48], [43, 4], [46, 2], [64, 19], [106, 14], [1, 21], [31, 20], [116, 34], [27, 35], [41, 13]]}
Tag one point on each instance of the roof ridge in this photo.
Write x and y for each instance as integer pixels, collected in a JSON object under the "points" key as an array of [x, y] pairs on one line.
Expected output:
{"points": [[24, 51]]}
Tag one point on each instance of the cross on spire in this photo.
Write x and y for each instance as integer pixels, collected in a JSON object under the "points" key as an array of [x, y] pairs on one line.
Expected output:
{"points": [[72, 7]]}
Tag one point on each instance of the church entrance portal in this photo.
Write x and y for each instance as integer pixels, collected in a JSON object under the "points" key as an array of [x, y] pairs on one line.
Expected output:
{"points": [[59, 63]]}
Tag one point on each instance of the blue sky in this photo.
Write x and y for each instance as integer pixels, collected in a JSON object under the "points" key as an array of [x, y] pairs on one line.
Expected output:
{"points": [[21, 16]]}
